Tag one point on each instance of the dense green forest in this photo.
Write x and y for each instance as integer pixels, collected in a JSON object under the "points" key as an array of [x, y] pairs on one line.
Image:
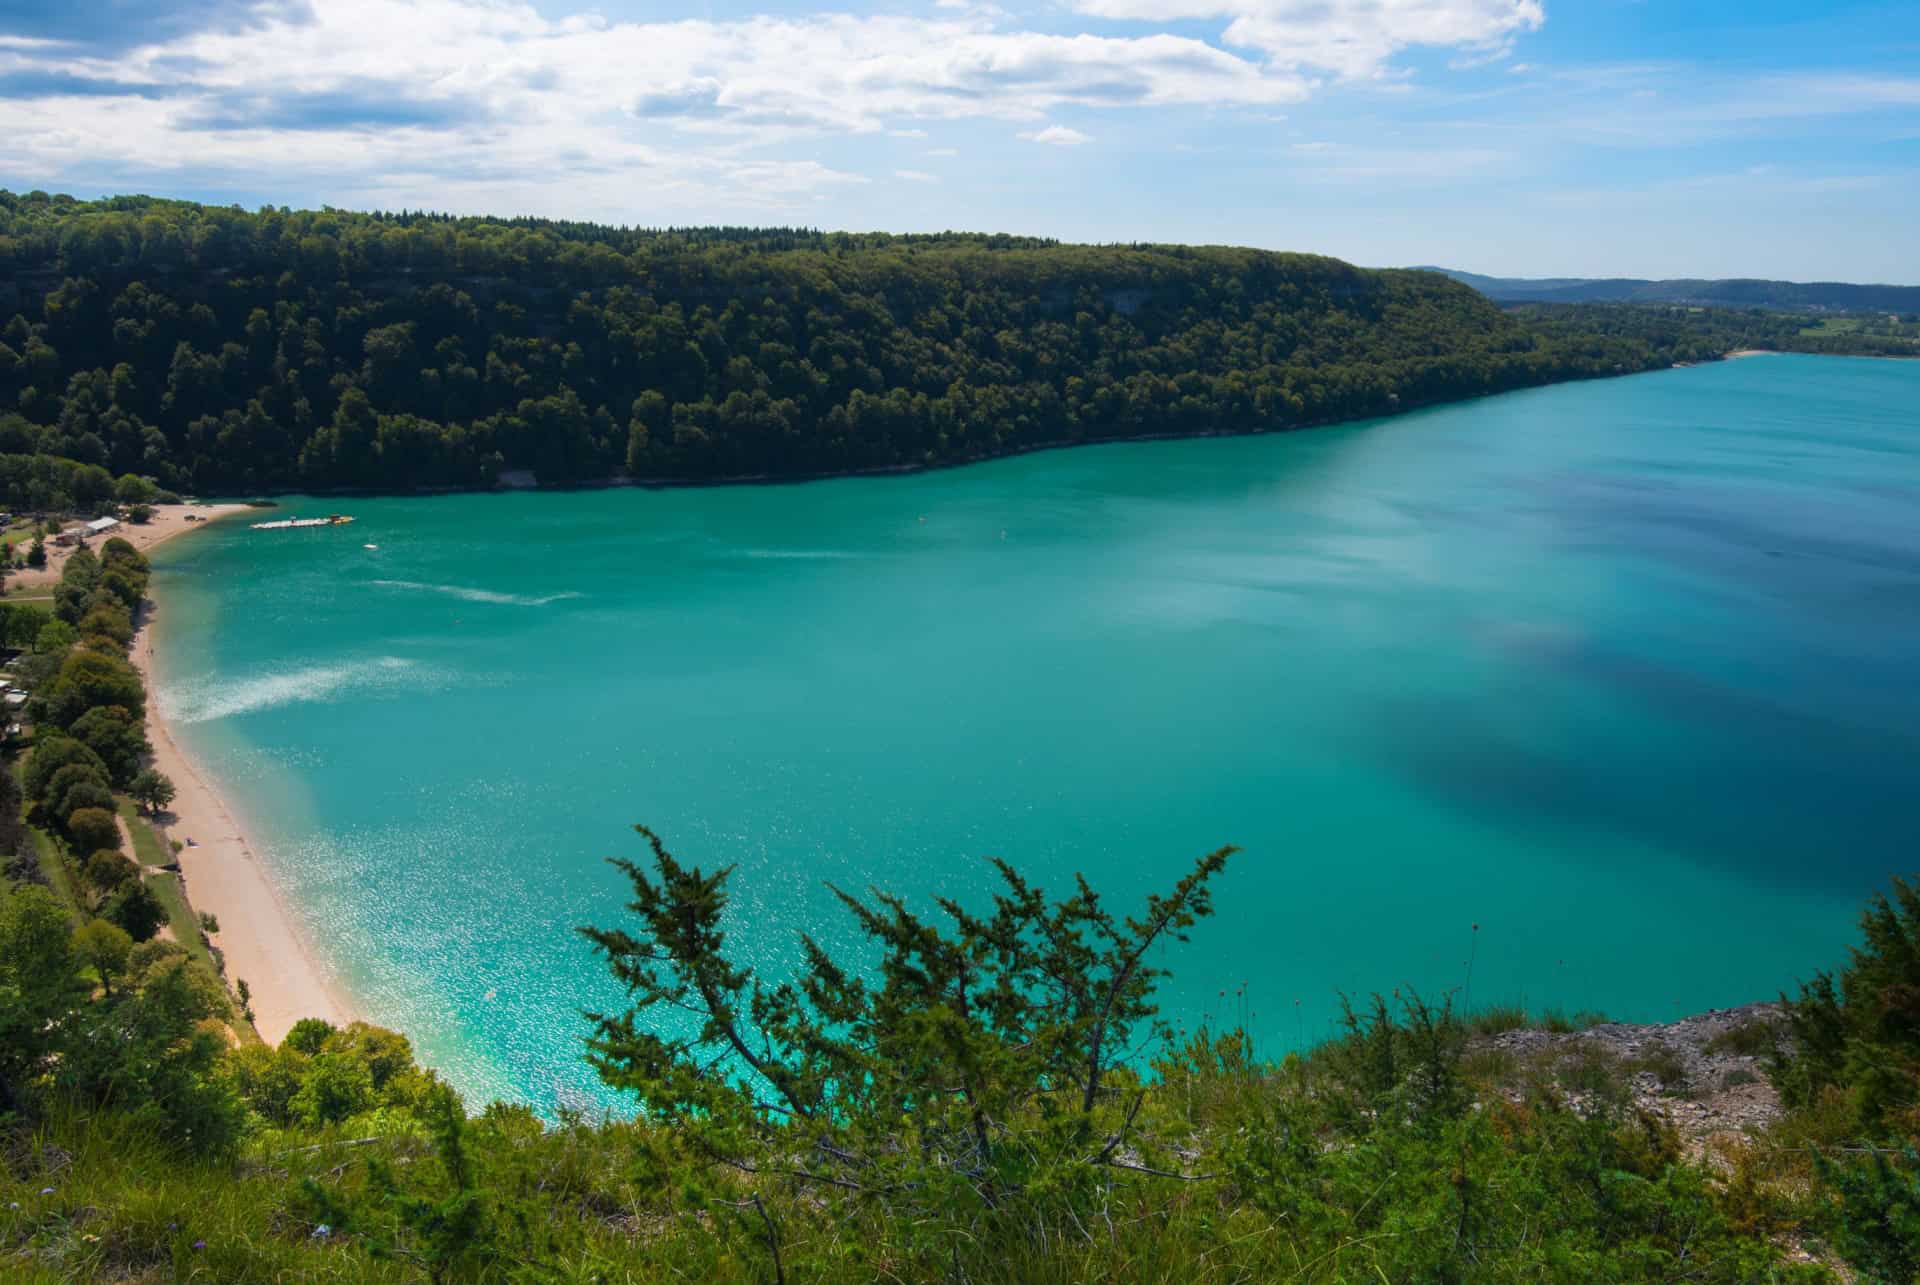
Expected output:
{"points": [[1729, 292], [215, 350], [1701, 334]]}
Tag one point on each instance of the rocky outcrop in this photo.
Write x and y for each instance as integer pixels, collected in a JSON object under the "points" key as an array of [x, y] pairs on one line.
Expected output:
{"points": [[1705, 1074]]}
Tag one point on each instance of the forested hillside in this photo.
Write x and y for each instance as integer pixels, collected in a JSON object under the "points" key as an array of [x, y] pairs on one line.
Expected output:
{"points": [[212, 349], [1732, 292]]}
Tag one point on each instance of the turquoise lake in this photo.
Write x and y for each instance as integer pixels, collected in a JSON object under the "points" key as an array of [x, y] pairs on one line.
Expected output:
{"points": [[1627, 673]]}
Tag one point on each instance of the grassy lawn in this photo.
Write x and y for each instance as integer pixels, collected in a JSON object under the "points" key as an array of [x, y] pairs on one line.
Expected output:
{"points": [[186, 925], [53, 867], [148, 848], [152, 852], [1832, 326], [18, 533]]}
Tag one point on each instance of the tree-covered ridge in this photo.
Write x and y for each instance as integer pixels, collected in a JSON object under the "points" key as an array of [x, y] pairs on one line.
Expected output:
{"points": [[1724, 292], [1701, 334], [215, 349]]}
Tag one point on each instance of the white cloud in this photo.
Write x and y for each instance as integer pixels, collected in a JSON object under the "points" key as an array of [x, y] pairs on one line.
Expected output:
{"points": [[477, 103], [1351, 38], [1057, 135], [943, 151], [916, 176]]}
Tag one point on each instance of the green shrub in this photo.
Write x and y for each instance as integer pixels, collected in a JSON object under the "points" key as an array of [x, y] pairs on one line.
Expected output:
{"points": [[1664, 1063], [93, 829], [135, 909], [1755, 1037], [108, 870], [1860, 1032]]}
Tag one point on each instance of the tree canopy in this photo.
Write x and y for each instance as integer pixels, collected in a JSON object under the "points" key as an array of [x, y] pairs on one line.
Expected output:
{"points": [[211, 348]]}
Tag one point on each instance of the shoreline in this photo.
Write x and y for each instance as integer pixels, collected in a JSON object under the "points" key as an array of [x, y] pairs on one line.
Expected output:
{"points": [[259, 940], [623, 481]]}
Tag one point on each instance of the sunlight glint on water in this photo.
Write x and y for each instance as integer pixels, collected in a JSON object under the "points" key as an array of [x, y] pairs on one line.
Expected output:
{"points": [[1624, 672]]}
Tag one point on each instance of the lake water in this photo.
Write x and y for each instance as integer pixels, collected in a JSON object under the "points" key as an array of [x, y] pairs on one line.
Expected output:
{"points": [[1627, 673]]}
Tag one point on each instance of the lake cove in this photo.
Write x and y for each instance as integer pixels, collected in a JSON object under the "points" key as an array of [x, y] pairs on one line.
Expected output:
{"points": [[1621, 672]]}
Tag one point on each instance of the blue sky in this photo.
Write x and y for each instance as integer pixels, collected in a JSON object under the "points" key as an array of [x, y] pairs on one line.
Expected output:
{"points": [[1515, 137]]}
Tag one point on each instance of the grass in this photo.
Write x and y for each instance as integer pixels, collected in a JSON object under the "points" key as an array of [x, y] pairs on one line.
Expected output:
{"points": [[18, 533], [148, 849], [1496, 1018], [1753, 1038], [152, 852], [186, 924], [54, 867], [1664, 1063]]}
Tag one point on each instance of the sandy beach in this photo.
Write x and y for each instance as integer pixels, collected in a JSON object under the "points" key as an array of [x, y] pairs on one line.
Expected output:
{"points": [[258, 935]]}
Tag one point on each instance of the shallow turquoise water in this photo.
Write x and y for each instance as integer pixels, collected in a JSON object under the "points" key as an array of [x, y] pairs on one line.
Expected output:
{"points": [[1623, 672]]}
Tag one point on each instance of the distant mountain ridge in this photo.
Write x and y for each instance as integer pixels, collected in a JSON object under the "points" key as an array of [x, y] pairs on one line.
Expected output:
{"points": [[1813, 296]]}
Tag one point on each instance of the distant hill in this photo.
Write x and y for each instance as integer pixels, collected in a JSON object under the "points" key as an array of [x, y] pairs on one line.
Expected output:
{"points": [[1814, 296]]}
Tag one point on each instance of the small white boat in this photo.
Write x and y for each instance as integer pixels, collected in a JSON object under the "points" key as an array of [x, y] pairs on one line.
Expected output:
{"points": [[290, 524]]}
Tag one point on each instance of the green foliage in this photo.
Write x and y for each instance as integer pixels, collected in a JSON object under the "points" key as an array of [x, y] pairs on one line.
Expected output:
{"points": [[105, 948], [982, 1065], [1690, 333], [322, 1074], [38, 986], [51, 753], [1858, 1034], [252, 351], [107, 619], [59, 794], [118, 737], [20, 623], [952, 1109], [443, 1224], [1873, 1211], [106, 870], [88, 796], [1758, 1037], [136, 909], [55, 636], [333, 1087], [93, 828], [89, 679], [147, 1055], [152, 790], [82, 570], [309, 1035]]}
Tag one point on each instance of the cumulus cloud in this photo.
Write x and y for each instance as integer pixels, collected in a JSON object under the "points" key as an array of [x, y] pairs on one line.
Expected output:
{"points": [[436, 101], [1057, 135], [1350, 38]]}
